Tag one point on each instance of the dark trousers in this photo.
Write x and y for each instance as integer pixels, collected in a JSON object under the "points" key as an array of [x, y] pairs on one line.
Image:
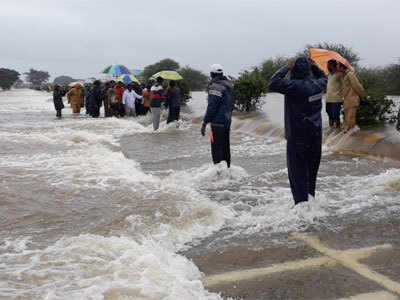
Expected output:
{"points": [[58, 115], [333, 111], [173, 113], [220, 144], [303, 159], [121, 109], [107, 109]]}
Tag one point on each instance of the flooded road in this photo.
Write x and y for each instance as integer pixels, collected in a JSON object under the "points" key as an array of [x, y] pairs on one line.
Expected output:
{"points": [[105, 208]]}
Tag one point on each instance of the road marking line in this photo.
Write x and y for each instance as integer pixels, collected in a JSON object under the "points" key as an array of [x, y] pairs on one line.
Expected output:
{"points": [[289, 266], [349, 262], [373, 296], [253, 273]]}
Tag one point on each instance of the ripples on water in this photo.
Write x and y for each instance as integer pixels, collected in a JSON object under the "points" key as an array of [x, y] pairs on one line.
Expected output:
{"points": [[102, 208]]}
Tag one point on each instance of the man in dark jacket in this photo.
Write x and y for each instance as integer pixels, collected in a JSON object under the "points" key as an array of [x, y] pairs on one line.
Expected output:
{"points": [[303, 124], [398, 121], [173, 102], [219, 114], [95, 99], [57, 99]]}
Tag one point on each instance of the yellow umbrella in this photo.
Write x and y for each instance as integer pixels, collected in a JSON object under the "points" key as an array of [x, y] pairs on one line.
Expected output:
{"points": [[75, 83], [168, 75], [126, 78]]}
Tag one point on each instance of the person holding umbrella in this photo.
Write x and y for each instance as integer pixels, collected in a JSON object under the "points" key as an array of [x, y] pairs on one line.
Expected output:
{"points": [[303, 123], [173, 102], [334, 94]]}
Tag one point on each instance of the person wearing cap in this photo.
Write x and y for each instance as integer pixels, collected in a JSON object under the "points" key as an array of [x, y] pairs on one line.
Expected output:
{"points": [[157, 97], [219, 114], [303, 123]]}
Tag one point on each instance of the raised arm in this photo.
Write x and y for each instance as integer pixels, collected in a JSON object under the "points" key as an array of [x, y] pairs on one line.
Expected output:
{"points": [[278, 83]]}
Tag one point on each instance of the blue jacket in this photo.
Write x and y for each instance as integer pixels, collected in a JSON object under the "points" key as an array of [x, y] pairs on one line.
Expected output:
{"points": [[220, 102], [303, 98]]}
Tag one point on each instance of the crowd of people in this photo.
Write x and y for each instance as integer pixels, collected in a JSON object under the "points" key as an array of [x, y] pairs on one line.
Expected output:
{"points": [[301, 81], [122, 100]]}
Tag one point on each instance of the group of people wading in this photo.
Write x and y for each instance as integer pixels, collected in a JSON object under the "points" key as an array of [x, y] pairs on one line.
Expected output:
{"points": [[122, 100], [301, 81]]}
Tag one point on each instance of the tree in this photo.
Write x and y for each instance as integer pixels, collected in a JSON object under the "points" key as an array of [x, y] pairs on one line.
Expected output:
{"points": [[166, 64], [248, 90], [63, 80], [36, 77], [7, 78], [347, 52], [270, 66], [196, 80]]}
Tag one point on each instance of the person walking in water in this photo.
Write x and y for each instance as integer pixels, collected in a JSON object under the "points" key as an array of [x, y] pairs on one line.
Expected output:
{"points": [[57, 99], [334, 94], [128, 99], [303, 123], [95, 99], [75, 98], [157, 96], [173, 102], [353, 91], [219, 114], [146, 94]]}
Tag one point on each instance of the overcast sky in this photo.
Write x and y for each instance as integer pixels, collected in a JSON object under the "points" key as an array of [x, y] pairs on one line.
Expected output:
{"points": [[80, 37]]}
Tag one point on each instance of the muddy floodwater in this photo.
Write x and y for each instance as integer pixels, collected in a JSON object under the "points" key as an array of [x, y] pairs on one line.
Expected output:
{"points": [[108, 209]]}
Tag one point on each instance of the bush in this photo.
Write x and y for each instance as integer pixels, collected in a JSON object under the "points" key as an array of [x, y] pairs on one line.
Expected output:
{"points": [[248, 90], [377, 109]]}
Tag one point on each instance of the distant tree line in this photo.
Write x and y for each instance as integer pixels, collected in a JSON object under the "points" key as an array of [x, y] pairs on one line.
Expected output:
{"points": [[379, 82]]}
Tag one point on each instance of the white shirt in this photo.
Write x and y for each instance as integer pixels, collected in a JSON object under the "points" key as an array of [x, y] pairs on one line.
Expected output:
{"points": [[129, 98]]}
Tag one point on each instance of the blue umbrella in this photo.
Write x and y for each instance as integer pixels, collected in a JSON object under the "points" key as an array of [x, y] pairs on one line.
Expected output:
{"points": [[116, 70]]}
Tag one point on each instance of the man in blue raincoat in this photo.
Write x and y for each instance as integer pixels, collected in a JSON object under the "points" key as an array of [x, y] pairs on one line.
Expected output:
{"points": [[219, 114], [303, 124]]}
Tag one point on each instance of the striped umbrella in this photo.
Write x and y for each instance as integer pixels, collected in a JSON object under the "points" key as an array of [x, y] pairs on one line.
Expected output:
{"points": [[116, 70], [127, 78]]}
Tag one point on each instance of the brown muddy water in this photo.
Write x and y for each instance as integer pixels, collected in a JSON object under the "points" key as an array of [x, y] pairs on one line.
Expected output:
{"points": [[107, 209]]}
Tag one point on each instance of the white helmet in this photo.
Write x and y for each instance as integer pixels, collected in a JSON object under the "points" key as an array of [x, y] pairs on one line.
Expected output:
{"points": [[216, 69]]}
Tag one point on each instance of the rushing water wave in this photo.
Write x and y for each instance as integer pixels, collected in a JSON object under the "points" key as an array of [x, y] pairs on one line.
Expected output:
{"points": [[105, 208]]}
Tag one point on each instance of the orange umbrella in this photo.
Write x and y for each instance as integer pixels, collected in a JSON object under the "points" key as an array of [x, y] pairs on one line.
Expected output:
{"points": [[322, 56]]}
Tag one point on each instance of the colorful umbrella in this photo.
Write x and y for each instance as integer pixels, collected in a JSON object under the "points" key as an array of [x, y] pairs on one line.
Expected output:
{"points": [[169, 75], [127, 78], [116, 70], [75, 83], [322, 56]]}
